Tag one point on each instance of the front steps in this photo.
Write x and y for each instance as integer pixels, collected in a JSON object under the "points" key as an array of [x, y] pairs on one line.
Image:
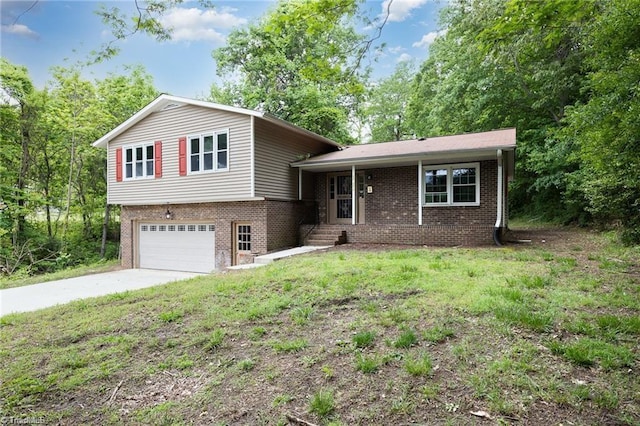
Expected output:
{"points": [[326, 235]]}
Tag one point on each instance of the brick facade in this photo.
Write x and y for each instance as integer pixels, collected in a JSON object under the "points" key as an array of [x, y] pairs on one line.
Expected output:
{"points": [[391, 211], [274, 225]]}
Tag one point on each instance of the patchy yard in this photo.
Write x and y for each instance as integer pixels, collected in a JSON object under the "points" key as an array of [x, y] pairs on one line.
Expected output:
{"points": [[532, 333]]}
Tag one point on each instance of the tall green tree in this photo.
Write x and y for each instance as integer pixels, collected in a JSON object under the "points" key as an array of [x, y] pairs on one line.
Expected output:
{"points": [[386, 110], [510, 63], [19, 112], [605, 129], [300, 62]]}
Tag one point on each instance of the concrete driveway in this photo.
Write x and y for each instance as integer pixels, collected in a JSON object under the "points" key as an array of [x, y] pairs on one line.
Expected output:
{"points": [[38, 296]]}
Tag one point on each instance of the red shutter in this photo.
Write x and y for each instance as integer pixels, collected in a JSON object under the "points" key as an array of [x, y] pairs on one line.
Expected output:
{"points": [[182, 156], [118, 164], [157, 151]]}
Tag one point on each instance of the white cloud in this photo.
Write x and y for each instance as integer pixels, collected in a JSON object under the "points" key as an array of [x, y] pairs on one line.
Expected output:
{"points": [[195, 24], [19, 29], [400, 9], [405, 57], [397, 49], [429, 38]]}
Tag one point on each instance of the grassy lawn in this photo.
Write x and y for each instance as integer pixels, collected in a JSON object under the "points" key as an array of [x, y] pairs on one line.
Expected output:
{"points": [[539, 333], [95, 268]]}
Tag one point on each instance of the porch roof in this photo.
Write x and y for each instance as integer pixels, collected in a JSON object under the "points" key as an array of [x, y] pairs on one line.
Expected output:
{"points": [[464, 147]]}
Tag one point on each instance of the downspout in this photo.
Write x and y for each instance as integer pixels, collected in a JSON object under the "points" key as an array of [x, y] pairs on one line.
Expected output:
{"points": [[420, 193], [496, 228]]}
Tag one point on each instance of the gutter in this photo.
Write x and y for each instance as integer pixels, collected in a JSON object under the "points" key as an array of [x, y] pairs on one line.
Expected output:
{"points": [[496, 228]]}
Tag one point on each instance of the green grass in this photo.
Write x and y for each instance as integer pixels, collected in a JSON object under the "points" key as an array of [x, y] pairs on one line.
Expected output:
{"points": [[364, 339], [322, 403], [295, 345], [521, 332], [367, 364], [94, 268], [587, 352], [438, 334], [406, 339], [421, 365]]}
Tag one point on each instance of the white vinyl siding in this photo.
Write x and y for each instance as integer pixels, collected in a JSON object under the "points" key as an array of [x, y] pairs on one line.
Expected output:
{"points": [[168, 126], [275, 150]]}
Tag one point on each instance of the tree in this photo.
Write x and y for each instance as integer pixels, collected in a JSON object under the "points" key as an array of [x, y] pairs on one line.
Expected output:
{"points": [[301, 62], [510, 63], [606, 128], [19, 113], [387, 105]]}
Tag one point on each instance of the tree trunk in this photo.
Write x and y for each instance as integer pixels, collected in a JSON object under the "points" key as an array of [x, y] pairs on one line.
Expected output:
{"points": [[68, 208], [22, 180], [105, 230]]}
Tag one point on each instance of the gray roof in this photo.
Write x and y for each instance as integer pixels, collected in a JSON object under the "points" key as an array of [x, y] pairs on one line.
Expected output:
{"points": [[442, 146]]}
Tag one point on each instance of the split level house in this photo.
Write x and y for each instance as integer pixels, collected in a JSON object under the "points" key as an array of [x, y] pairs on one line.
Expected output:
{"points": [[204, 186]]}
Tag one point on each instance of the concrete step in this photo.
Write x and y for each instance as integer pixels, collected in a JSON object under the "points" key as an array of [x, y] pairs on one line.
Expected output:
{"points": [[321, 242], [323, 235]]}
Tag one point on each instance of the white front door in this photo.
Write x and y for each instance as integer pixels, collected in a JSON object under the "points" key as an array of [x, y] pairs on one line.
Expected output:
{"points": [[177, 246]]}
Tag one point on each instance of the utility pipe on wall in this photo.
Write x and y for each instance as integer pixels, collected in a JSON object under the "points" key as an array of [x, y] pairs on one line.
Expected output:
{"points": [[496, 229]]}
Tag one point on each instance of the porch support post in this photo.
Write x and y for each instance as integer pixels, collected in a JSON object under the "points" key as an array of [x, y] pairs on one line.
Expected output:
{"points": [[299, 184], [354, 194], [420, 196]]}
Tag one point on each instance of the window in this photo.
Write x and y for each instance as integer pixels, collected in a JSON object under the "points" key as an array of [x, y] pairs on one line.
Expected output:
{"points": [[139, 161], [244, 237], [209, 152], [456, 184]]}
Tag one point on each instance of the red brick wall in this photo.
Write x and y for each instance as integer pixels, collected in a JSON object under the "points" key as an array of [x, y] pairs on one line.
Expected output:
{"points": [[283, 218], [391, 211], [274, 225]]}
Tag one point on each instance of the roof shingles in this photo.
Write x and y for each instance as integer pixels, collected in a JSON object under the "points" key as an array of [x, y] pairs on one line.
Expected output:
{"points": [[493, 140]]}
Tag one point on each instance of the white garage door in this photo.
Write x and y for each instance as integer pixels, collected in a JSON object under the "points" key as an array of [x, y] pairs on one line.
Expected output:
{"points": [[177, 247]]}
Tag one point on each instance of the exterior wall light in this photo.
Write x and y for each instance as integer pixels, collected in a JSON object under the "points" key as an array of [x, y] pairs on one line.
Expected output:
{"points": [[168, 215]]}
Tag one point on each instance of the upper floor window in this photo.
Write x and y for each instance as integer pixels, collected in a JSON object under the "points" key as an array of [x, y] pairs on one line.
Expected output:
{"points": [[209, 152], [456, 184], [139, 161]]}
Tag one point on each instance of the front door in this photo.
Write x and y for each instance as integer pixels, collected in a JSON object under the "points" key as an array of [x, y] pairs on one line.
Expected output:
{"points": [[242, 244], [341, 208]]}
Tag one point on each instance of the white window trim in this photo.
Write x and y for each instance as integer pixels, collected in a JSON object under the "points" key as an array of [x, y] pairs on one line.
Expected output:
{"points": [[449, 168], [144, 147], [216, 151]]}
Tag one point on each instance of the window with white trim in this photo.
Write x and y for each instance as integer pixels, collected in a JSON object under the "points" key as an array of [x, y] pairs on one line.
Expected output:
{"points": [[209, 152], [452, 185], [139, 161]]}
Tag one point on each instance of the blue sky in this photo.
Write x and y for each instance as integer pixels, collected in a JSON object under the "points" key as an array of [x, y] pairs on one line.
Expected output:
{"points": [[47, 33]]}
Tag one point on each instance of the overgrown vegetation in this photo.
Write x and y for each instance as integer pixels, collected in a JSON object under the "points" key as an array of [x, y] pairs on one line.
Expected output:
{"points": [[53, 212], [530, 337]]}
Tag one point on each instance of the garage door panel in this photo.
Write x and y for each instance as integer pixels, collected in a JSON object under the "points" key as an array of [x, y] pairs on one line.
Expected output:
{"points": [[182, 247]]}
